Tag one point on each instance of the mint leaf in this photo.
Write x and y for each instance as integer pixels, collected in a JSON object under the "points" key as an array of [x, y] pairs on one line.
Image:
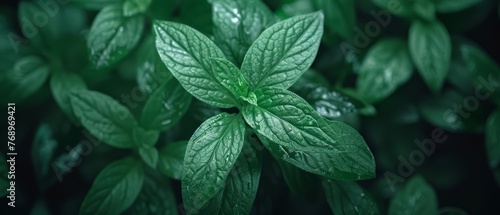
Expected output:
{"points": [[151, 72], [134, 7], [172, 158], [105, 118], [283, 52], [61, 85], [186, 52], [347, 197], [115, 188], [493, 144], [449, 6], [425, 9], [417, 197], [237, 24], [340, 16], [386, 66], [230, 77], [300, 182], [149, 155], [165, 107], [145, 138], [113, 36], [430, 49], [210, 155], [26, 78], [301, 137]]}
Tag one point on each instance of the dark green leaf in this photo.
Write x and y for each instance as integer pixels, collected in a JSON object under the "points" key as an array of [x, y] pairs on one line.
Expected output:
{"points": [[430, 49], [210, 154], [399, 8], [26, 78], [386, 66], [172, 158], [166, 106], [417, 197], [493, 144], [300, 182], [105, 118], [283, 52], [112, 36], [425, 9], [61, 85], [347, 197], [96, 4], [448, 6], [43, 149], [134, 7], [186, 53], [115, 188], [340, 16], [301, 137], [145, 138], [149, 155], [151, 72], [230, 77], [198, 17]]}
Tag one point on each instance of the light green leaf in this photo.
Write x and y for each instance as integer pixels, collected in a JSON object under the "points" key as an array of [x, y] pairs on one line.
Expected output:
{"points": [[493, 144], [386, 66], [151, 72], [230, 77], [186, 53], [61, 85], [417, 197], [347, 197], [96, 4], [340, 16], [172, 158], [301, 137], [449, 6], [237, 24], [149, 155], [113, 36], [26, 78], [134, 7], [283, 52], [210, 154], [105, 118], [430, 49], [115, 188], [165, 107]]}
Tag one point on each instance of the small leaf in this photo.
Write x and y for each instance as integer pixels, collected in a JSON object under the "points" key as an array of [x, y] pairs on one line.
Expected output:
{"points": [[417, 197], [430, 49], [449, 6], [151, 72], [26, 78], [115, 188], [347, 197], [145, 138], [340, 16], [283, 52], [493, 144], [230, 77], [172, 158], [149, 155], [210, 155], [134, 7], [166, 106], [386, 66], [112, 36], [105, 118], [186, 53], [61, 85]]}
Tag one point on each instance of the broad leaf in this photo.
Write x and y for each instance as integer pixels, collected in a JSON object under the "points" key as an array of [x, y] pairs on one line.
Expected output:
{"points": [[134, 7], [283, 52], [149, 155], [115, 188], [386, 66], [448, 6], [340, 16], [347, 197], [493, 144], [151, 72], [417, 197], [237, 25], [301, 137], [26, 78], [61, 85], [430, 49], [112, 36], [230, 77], [105, 118], [172, 158], [165, 107], [186, 53], [210, 155]]}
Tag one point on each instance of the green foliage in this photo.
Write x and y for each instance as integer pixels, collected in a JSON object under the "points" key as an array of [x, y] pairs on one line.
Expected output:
{"points": [[417, 197]]}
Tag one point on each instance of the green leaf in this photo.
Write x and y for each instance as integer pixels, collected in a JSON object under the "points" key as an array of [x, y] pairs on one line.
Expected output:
{"points": [[398, 8], [300, 182], [430, 49], [151, 72], [340, 16], [230, 77], [449, 6], [186, 53], [4, 182], [113, 36], [26, 78], [493, 144], [172, 158], [241, 185], [283, 52], [347, 197], [210, 155], [134, 7], [105, 118], [96, 4], [417, 197], [301, 137], [237, 24], [145, 138], [44, 147], [425, 9], [165, 107], [61, 85], [115, 188], [149, 155], [386, 66]]}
